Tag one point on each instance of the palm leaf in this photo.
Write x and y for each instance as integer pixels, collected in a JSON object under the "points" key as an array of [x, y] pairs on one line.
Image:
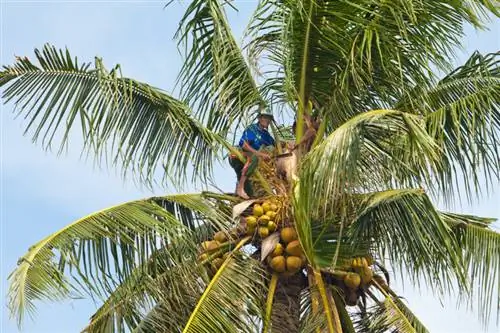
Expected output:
{"points": [[215, 77], [407, 230], [170, 275], [463, 116], [349, 57], [224, 306], [375, 150], [101, 250], [143, 127], [481, 248]]}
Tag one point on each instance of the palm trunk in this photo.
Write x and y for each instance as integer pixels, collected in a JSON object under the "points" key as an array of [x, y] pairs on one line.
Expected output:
{"points": [[286, 305]]}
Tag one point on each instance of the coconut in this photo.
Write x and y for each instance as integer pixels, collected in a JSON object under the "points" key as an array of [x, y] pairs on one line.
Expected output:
{"points": [[272, 226], [213, 245], [271, 214], [293, 248], [266, 206], [264, 219], [258, 210], [263, 232], [278, 264], [293, 264], [203, 257], [352, 280], [220, 236], [288, 235], [278, 250], [251, 221]]}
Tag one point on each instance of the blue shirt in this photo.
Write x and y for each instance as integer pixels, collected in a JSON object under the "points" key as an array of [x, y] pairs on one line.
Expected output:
{"points": [[256, 137]]}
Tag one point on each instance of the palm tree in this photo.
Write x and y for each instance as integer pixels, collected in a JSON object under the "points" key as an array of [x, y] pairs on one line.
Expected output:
{"points": [[392, 136]]}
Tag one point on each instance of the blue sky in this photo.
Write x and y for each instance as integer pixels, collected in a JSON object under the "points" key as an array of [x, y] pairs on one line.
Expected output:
{"points": [[40, 192]]}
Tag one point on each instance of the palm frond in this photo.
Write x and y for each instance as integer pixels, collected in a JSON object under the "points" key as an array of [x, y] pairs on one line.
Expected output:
{"points": [[170, 281], [354, 56], [463, 116], [481, 252], [139, 126], [225, 304], [375, 150], [96, 253], [408, 231], [215, 77]]}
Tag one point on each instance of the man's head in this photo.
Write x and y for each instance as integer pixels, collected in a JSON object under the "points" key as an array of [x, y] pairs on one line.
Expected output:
{"points": [[265, 118]]}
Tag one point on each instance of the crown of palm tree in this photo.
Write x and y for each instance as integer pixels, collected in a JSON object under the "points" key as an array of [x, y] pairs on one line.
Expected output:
{"points": [[392, 136]]}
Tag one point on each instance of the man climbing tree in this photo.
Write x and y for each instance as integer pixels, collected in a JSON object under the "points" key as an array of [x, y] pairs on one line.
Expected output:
{"points": [[253, 139]]}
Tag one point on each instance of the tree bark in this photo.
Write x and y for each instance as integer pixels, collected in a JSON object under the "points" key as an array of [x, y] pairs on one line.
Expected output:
{"points": [[286, 305]]}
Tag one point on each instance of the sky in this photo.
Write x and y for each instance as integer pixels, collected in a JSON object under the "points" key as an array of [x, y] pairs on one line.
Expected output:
{"points": [[41, 192]]}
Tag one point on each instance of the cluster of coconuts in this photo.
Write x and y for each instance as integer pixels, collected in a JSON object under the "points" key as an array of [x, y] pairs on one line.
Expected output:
{"points": [[355, 276], [287, 256], [211, 249], [263, 219]]}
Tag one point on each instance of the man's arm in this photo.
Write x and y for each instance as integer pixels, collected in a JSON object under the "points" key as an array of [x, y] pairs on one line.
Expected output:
{"points": [[249, 148]]}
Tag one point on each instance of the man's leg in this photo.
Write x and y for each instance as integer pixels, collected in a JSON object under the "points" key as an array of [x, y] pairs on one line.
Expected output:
{"points": [[248, 169]]}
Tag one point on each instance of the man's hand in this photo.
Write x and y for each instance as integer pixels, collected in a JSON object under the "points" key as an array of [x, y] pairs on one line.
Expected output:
{"points": [[264, 156]]}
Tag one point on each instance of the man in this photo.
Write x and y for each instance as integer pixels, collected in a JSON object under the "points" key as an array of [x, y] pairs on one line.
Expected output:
{"points": [[253, 139]]}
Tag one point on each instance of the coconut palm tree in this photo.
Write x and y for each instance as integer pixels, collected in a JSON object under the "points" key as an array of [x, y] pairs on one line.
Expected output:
{"points": [[393, 135]]}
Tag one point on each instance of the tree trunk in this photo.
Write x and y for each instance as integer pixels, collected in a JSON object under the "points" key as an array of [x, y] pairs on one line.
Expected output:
{"points": [[286, 305]]}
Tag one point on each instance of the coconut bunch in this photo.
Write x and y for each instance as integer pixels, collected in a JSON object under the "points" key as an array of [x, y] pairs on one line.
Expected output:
{"points": [[265, 218], [354, 278], [213, 252], [287, 256]]}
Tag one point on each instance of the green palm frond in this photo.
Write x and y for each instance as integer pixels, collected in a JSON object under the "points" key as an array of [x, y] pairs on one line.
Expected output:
{"points": [[352, 56], [481, 252], [463, 116], [171, 274], [98, 252], [375, 150], [408, 231], [170, 281], [215, 77], [234, 292], [144, 128]]}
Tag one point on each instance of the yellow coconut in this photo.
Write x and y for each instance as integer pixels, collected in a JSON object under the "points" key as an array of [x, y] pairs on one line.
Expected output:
{"points": [[293, 248], [220, 236], [274, 207], [278, 250], [271, 214], [293, 264], [352, 280], [203, 257], [258, 210], [288, 235], [263, 232], [278, 264], [271, 226], [205, 245], [251, 221], [264, 219], [266, 206], [364, 262], [213, 245]]}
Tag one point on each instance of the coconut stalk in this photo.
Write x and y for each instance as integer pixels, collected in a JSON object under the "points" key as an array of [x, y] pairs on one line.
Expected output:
{"points": [[269, 302]]}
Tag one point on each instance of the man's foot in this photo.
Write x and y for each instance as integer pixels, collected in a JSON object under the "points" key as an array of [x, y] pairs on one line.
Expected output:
{"points": [[242, 194]]}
